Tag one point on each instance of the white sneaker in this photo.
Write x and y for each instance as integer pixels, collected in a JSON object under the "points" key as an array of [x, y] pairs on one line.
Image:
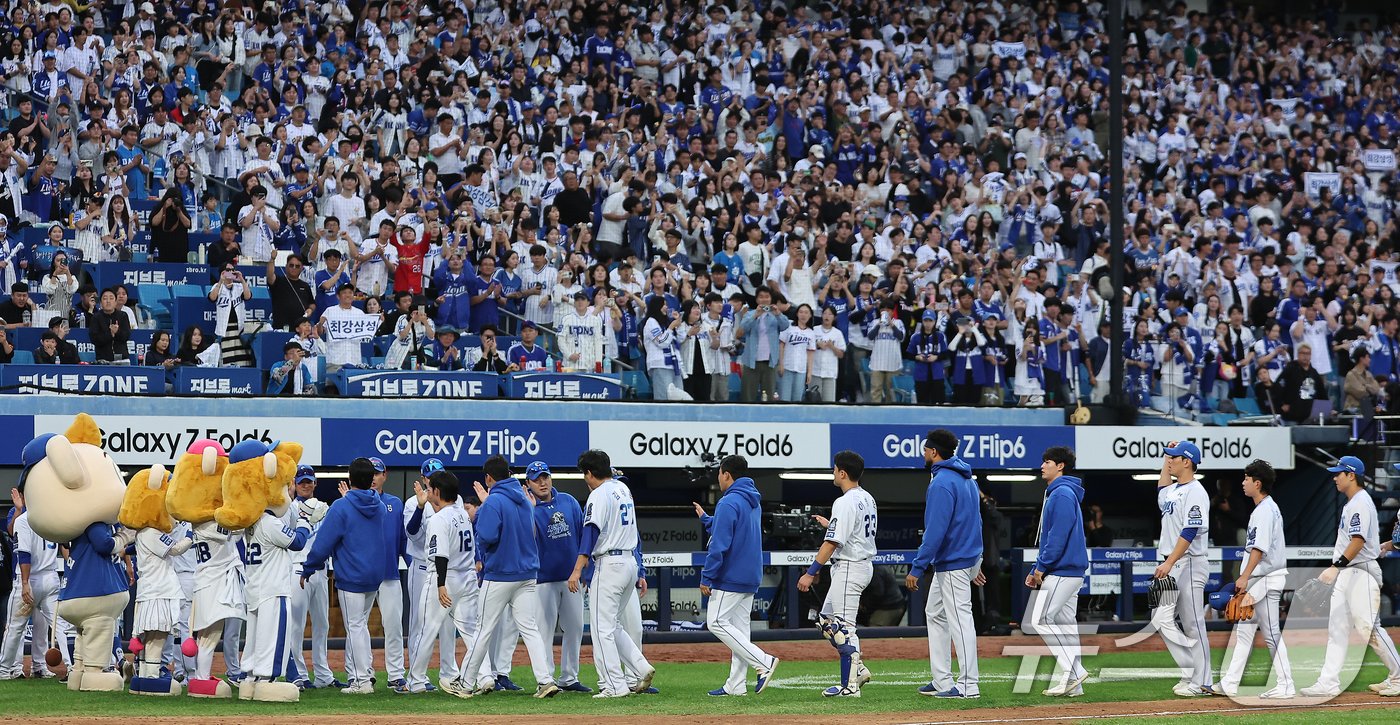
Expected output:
{"points": [[1392, 691], [1385, 684], [359, 688], [605, 694], [1184, 689], [1319, 690], [1279, 692]]}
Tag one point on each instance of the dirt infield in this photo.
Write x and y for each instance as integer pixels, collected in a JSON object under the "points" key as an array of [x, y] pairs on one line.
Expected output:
{"points": [[1046, 713]]}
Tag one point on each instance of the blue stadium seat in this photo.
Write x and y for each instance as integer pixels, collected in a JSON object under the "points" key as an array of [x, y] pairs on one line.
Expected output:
{"points": [[382, 343], [262, 293], [187, 290], [736, 386], [267, 347], [1222, 418], [903, 388], [1247, 406], [155, 296], [638, 382], [87, 356], [23, 357]]}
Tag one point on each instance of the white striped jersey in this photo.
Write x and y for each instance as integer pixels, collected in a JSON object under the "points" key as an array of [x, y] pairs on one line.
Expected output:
{"points": [[854, 522], [610, 508], [216, 554], [155, 572], [543, 281], [1183, 506], [886, 348], [582, 334], [450, 536], [268, 560], [1358, 519], [1266, 535], [43, 554]]}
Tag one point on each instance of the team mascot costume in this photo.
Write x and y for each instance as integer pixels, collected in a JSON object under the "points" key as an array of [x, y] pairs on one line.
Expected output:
{"points": [[158, 593], [74, 491], [194, 493], [256, 497]]}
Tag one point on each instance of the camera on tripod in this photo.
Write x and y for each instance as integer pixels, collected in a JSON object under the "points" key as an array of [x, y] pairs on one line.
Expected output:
{"points": [[793, 528]]}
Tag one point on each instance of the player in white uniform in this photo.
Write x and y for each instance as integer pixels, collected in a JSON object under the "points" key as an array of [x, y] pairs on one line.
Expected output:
{"points": [[312, 599], [1183, 503], [35, 596], [449, 605], [1355, 578], [271, 578], [158, 596], [1263, 576], [849, 547], [416, 513], [218, 596], [610, 540]]}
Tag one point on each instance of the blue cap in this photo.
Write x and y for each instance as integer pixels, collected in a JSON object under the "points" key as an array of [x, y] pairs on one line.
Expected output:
{"points": [[305, 473], [250, 449], [537, 469], [1349, 464], [930, 315], [1187, 450], [430, 466], [377, 462], [1222, 596]]}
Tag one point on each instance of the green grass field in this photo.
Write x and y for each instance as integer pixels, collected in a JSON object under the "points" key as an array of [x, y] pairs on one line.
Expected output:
{"points": [[683, 692]]}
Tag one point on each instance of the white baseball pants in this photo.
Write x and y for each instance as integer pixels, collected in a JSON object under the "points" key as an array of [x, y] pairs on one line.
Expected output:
{"points": [[418, 580], [391, 616], [313, 600], [948, 613], [1052, 616], [1355, 606], [848, 581], [728, 617], [563, 610], [493, 598], [1267, 591], [359, 657], [44, 588], [441, 625], [1187, 642]]}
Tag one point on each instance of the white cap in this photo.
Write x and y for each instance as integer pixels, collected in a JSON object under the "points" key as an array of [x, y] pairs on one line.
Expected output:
{"points": [[817, 150], [148, 8]]}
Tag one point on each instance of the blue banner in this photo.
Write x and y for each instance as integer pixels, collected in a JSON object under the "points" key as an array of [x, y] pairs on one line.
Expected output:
{"points": [[563, 386], [132, 274], [365, 383], [218, 381], [19, 430], [457, 443], [984, 447], [113, 379]]}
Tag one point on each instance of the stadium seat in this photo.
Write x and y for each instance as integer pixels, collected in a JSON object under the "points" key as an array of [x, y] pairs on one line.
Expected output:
{"points": [[903, 388], [1247, 406], [23, 357], [155, 296], [187, 290], [736, 386]]}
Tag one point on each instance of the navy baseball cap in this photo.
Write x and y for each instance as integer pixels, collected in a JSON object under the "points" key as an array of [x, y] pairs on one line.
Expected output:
{"points": [[1221, 597], [430, 466], [305, 473], [1187, 450], [537, 469], [377, 462], [1349, 464]]}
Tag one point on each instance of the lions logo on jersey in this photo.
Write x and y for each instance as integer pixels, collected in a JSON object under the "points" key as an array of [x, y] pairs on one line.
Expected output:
{"points": [[1168, 507], [1193, 517], [1355, 524], [558, 527], [1253, 532]]}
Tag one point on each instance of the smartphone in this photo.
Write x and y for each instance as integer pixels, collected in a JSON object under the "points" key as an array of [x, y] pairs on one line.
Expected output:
{"points": [[422, 310]]}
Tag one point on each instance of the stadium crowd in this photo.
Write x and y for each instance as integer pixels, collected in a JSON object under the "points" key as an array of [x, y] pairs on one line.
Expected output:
{"points": [[822, 197]]}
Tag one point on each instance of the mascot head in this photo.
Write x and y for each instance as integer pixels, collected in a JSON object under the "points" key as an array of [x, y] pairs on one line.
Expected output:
{"points": [[144, 504], [256, 480], [69, 483], [196, 488]]}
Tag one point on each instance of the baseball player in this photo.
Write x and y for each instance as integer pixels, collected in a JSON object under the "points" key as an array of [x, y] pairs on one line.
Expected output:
{"points": [[731, 575], [450, 605], [558, 528], [1183, 503], [218, 602], [1060, 565], [416, 512], [631, 610], [390, 596], [34, 597], [849, 547], [158, 597], [269, 544], [952, 547], [313, 599], [1263, 577], [1355, 578], [356, 518], [610, 540], [510, 561]]}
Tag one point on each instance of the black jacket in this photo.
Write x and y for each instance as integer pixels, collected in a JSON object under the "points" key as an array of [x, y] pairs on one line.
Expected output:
{"points": [[109, 346]]}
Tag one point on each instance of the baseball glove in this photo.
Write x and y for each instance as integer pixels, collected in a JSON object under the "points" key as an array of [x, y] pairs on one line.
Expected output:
{"points": [[1158, 589], [1311, 599], [1240, 608]]}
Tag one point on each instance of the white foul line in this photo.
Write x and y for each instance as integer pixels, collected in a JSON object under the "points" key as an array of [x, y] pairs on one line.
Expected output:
{"points": [[1154, 714]]}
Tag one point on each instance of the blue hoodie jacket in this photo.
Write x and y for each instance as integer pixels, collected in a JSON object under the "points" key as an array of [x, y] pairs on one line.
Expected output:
{"points": [[395, 537], [352, 532], [558, 528], [952, 520], [96, 569], [735, 559], [505, 534], [1062, 551]]}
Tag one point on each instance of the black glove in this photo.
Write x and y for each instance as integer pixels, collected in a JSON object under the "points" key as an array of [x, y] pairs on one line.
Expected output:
{"points": [[1161, 591]]}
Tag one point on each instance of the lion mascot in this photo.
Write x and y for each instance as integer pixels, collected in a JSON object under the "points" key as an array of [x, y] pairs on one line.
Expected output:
{"points": [[74, 493], [158, 593]]}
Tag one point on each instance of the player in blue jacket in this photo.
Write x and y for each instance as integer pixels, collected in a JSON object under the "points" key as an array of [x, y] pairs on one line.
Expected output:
{"points": [[390, 596], [952, 547], [355, 518], [1059, 570], [558, 529], [510, 562], [733, 570]]}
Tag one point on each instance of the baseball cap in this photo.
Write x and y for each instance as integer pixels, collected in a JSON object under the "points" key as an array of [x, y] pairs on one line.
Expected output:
{"points": [[930, 315], [1181, 312], [530, 324], [1187, 450], [537, 469], [305, 473], [1349, 464], [430, 466], [377, 462], [1222, 596]]}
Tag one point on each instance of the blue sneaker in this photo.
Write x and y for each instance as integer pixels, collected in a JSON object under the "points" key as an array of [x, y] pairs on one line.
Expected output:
{"points": [[337, 684], [236, 679], [649, 691], [719, 693], [764, 676], [302, 685], [503, 683], [930, 690], [430, 687], [400, 683], [955, 694], [577, 687]]}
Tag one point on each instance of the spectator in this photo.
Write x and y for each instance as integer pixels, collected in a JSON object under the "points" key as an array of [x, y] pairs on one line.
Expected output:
{"points": [[661, 341], [110, 330], [826, 361], [341, 351], [526, 355], [445, 355], [260, 223], [488, 357], [797, 344], [292, 297], [329, 281], [81, 315], [886, 333], [49, 351], [1030, 369], [1302, 385], [171, 223], [230, 297], [1362, 392], [487, 296], [196, 350], [292, 376], [160, 353], [18, 310], [59, 286], [413, 330], [582, 335], [1139, 361], [928, 348], [223, 251], [7, 348], [759, 329]]}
